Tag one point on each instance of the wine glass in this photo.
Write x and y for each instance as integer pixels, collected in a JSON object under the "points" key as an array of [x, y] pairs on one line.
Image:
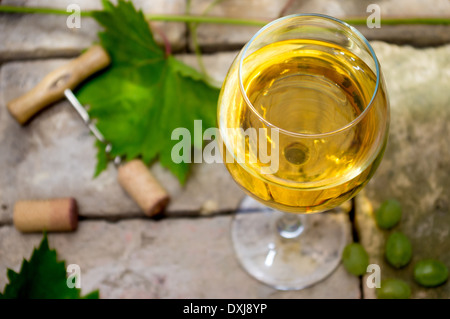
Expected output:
{"points": [[303, 117]]}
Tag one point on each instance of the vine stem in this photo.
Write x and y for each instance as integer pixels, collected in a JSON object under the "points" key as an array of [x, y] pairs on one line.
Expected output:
{"points": [[162, 34], [224, 20], [194, 37], [14, 9]]}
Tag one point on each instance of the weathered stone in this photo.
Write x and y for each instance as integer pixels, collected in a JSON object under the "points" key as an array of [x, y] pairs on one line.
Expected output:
{"points": [[37, 35], [416, 35], [339, 285], [359, 8], [54, 156], [186, 258], [211, 37], [172, 258], [415, 169], [84, 5]]}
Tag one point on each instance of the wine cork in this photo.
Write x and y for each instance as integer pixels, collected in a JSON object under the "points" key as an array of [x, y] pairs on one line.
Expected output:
{"points": [[136, 179], [46, 215]]}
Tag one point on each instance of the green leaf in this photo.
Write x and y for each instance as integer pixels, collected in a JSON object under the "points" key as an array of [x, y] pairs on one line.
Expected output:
{"points": [[92, 295], [144, 95], [42, 277], [102, 158]]}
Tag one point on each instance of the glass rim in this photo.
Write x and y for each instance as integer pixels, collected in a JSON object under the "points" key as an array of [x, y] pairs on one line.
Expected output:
{"points": [[305, 135]]}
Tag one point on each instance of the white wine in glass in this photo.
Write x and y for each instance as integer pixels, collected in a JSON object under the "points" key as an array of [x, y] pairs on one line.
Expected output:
{"points": [[314, 81]]}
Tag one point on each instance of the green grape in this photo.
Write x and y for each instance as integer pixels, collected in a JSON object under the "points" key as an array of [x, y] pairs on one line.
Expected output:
{"points": [[355, 259], [398, 250], [393, 289], [430, 273], [388, 214]]}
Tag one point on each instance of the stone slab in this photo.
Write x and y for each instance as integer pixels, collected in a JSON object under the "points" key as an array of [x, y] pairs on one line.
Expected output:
{"points": [[37, 36], [213, 37], [358, 8], [415, 35], [416, 166], [171, 258], [24, 36], [54, 156]]}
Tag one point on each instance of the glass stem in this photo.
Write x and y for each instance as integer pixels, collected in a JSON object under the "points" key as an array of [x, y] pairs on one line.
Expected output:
{"points": [[289, 225]]}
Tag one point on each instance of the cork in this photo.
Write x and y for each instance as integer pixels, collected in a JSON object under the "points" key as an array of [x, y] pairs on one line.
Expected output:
{"points": [[54, 215], [136, 179]]}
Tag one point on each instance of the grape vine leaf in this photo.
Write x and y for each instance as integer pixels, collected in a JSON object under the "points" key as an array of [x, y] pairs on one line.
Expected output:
{"points": [[144, 94], [42, 277]]}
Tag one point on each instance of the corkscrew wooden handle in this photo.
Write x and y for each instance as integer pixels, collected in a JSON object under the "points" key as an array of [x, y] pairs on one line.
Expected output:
{"points": [[51, 88]]}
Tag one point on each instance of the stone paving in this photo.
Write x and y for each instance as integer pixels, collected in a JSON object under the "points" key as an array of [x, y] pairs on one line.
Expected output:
{"points": [[189, 254], [416, 166]]}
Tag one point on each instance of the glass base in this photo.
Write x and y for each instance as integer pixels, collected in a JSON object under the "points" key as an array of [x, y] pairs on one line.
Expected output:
{"points": [[288, 263]]}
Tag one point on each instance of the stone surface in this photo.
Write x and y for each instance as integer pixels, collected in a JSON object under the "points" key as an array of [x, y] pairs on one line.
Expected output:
{"points": [[358, 8], [172, 258], [135, 257], [37, 35], [213, 37], [34, 36], [54, 156], [416, 166], [416, 35]]}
